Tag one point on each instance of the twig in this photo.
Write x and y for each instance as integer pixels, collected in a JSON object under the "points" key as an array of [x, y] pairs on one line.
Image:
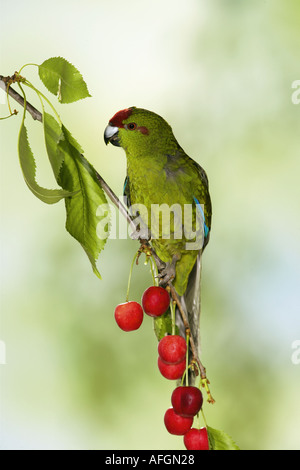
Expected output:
{"points": [[35, 114], [115, 200], [187, 328]]}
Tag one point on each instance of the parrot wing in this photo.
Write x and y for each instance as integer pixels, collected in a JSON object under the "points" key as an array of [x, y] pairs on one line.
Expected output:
{"points": [[191, 301], [126, 192]]}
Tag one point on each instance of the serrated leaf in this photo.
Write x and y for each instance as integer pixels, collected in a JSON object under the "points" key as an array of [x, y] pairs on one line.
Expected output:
{"points": [[163, 325], [53, 134], [82, 209], [28, 166], [63, 80], [72, 140], [219, 440]]}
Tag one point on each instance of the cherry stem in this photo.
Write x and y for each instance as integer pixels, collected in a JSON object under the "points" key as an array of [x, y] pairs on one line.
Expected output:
{"points": [[187, 357], [130, 274], [183, 378], [204, 383], [153, 268], [172, 308], [203, 416]]}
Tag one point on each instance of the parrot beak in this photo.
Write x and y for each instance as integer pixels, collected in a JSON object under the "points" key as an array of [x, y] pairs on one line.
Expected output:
{"points": [[111, 134]]}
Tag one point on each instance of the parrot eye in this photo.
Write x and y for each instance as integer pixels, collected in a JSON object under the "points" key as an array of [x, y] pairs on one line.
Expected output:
{"points": [[131, 126]]}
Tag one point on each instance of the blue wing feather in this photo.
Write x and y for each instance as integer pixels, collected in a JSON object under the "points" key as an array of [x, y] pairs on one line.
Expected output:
{"points": [[126, 192], [200, 210]]}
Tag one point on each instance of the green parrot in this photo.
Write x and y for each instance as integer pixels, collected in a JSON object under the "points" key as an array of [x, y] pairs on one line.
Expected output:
{"points": [[160, 174]]}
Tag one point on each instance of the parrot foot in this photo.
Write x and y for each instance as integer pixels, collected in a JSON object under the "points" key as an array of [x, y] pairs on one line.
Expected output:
{"points": [[167, 271]]}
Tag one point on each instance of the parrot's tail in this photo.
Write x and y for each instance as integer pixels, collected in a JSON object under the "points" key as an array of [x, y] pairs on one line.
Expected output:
{"points": [[191, 302]]}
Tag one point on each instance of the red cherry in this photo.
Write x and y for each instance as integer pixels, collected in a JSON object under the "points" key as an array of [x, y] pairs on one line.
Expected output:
{"points": [[155, 301], [171, 371], [176, 424], [187, 401], [129, 316], [172, 349], [196, 439]]}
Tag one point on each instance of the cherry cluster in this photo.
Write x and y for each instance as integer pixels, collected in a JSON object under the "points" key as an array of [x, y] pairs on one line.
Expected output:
{"points": [[186, 404], [186, 400], [172, 363], [155, 302]]}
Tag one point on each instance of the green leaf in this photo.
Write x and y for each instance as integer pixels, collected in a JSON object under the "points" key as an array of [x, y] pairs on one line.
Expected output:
{"points": [[163, 325], [219, 440], [83, 215], [63, 80], [72, 140], [53, 134], [28, 166]]}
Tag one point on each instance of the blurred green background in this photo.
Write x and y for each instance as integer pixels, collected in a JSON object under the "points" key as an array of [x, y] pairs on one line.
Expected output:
{"points": [[221, 74]]}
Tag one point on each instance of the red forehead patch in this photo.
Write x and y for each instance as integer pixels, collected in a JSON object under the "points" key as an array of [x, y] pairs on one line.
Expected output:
{"points": [[120, 116]]}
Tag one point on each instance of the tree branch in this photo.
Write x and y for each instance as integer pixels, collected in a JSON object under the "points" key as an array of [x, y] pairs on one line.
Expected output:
{"points": [[4, 84]]}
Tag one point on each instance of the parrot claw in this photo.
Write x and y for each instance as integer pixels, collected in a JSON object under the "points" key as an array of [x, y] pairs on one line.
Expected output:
{"points": [[167, 271]]}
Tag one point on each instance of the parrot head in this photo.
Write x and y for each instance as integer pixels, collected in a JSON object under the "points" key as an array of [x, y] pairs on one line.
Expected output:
{"points": [[137, 130]]}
